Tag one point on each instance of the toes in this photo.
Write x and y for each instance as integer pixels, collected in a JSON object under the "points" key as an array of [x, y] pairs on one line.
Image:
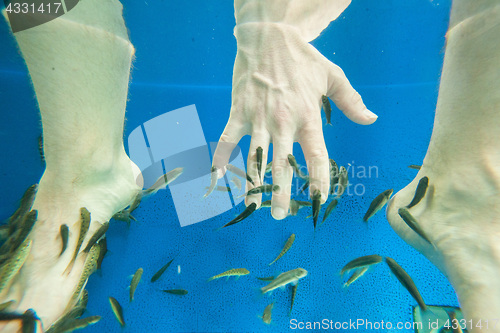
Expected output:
{"points": [[232, 134], [282, 176], [318, 165], [346, 98], [260, 139]]}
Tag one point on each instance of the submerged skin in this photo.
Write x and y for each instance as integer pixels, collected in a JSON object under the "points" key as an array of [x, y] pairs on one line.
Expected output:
{"points": [[461, 209]]}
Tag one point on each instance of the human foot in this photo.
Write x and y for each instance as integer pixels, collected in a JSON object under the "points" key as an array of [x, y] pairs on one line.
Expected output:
{"points": [[42, 284], [460, 215]]}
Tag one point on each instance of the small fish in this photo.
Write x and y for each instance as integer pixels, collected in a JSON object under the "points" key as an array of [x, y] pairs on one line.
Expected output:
{"points": [[161, 271], [237, 182], [316, 206], [213, 181], [406, 281], [295, 166], [246, 213], [64, 322], [287, 247], [294, 207], [237, 171], [377, 204], [84, 228], [283, 279], [266, 203], [294, 292], [84, 299], [343, 181], [412, 223], [334, 175], [222, 188], [98, 235], [413, 166], [259, 152], [231, 272], [5, 305], [135, 282], [327, 108], [180, 292], [79, 323], [305, 186], [361, 262], [126, 214], [24, 208], [268, 278], [163, 181], [331, 206], [419, 192], [356, 275], [269, 167], [29, 321], [303, 203], [266, 316], [64, 232], [12, 266], [268, 188], [26, 227], [40, 148], [103, 246], [117, 310]]}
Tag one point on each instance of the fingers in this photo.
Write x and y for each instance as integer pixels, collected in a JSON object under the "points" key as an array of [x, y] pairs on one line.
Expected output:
{"points": [[282, 176], [232, 134], [346, 98], [313, 145], [259, 139]]}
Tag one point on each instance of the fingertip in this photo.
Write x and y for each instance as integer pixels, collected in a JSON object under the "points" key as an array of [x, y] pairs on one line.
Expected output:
{"points": [[278, 213]]}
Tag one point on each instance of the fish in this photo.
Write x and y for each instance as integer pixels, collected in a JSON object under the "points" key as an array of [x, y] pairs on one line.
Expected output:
{"points": [[266, 203], [361, 262], [412, 223], [413, 166], [266, 316], [268, 188], [18, 238], [237, 182], [84, 299], [419, 192], [117, 310], [5, 305], [327, 108], [283, 279], [316, 206], [303, 203], [163, 181], [258, 153], [222, 188], [268, 278], [29, 321], [237, 171], [162, 270], [232, 272], [213, 181], [295, 166], [79, 323], [294, 207], [406, 281], [64, 322], [24, 208], [334, 175], [135, 282], [355, 276], [126, 214], [246, 213], [343, 181], [304, 186], [89, 267], [294, 292], [12, 266], [40, 148], [64, 232], [377, 204], [287, 247], [103, 246], [95, 238], [269, 167], [84, 228], [331, 206], [180, 292]]}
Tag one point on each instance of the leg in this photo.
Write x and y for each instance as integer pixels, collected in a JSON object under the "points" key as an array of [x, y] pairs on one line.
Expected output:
{"points": [[461, 210], [79, 65]]}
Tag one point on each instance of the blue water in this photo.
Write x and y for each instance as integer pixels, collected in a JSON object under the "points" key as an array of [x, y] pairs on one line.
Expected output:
{"points": [[391, 51]]}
